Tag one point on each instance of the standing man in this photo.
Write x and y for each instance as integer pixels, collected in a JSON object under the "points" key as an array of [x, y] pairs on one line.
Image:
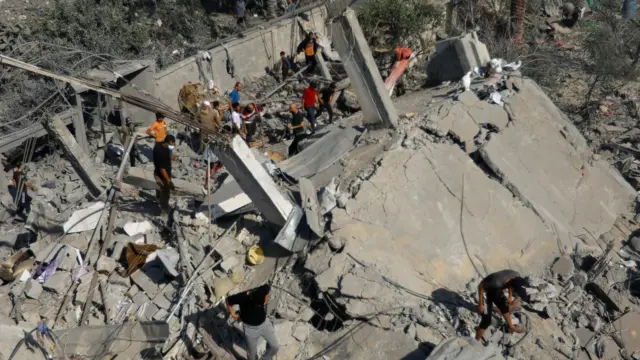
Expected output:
{"points": [[309, 98], [127, 133], [309, 46], [210, 117], [297, 127], [249, 118], [285, 65], [21, 184], [234, 95], [494, 286], [326, 99], [158, 129], [253, 314], [241, 7], [42, 333], [162, 172], [237, 126]]}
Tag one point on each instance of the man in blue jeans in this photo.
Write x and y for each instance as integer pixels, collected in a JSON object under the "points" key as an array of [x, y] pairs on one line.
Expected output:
{"points": [[309, 99], [253, 314]]}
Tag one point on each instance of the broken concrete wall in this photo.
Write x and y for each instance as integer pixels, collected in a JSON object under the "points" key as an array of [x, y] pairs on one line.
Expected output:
{"points": [[255, 50], [456, 56], [543, 159], [15, 139], [146, 81]]}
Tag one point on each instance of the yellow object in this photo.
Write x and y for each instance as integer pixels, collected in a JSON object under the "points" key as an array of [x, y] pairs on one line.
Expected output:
{"points": [[255, 256]]}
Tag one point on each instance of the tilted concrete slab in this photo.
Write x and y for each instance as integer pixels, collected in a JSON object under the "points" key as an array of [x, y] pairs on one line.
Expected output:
{"points": [[543, 159], [406, 220], [80, 161], [254, 180]]}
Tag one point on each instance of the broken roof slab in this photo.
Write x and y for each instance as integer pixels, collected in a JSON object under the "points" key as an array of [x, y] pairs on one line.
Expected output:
{"points": [[545, 161]]}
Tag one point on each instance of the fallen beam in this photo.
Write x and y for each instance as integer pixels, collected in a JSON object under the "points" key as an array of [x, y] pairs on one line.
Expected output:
{"points": [[80, 161], [16, 138], [255, 181]]}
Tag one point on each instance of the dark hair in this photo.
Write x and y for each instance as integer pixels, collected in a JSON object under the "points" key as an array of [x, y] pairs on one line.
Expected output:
{"points": [[170, 138], [333, 85], [519, 285], [235, 105], [282, 53], [159, 116], [237, 84], [216, 103], [128, 119]]}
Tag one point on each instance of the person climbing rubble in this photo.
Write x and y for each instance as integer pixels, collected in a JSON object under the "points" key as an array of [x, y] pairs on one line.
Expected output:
{"points": [[309, 46], [326, 99], [297, 126], [42, 333], [493, 286], [127, 132], [285, 65], [309, 98], [253, 315], [158, 129], [162, 172], [19, 186]]}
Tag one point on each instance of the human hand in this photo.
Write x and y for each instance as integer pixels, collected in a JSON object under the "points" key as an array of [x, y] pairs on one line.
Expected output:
{"points": [[481, 309], [289, 126], [517, 329]]}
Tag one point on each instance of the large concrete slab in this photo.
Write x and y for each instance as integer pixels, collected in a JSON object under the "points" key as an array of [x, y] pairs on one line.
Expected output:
{"points": [[78, 158], [351, 44], [406, 220], [254, 180], [543, 159], [145, 179]]}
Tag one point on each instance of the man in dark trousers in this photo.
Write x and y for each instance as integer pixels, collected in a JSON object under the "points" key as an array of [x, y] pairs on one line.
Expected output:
{"points": [[253, 314], [297, 126], [494, 286], [326, 99], [309, 46], [162, 172], [20, 184], [127, 131], [285, 65]]}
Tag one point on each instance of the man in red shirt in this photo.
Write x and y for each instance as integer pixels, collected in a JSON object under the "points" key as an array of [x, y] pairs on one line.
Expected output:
{"points": [[309, 98]]}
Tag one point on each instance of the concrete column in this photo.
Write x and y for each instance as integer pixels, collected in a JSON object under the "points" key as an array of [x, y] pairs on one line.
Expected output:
{"points": [[324, 69], [359, 64], [79, 159], [255, 181], [78, 125]]}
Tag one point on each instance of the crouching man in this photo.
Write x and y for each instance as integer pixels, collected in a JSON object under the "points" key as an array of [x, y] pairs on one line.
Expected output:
{"points": [[253, 314], [493, 286]]}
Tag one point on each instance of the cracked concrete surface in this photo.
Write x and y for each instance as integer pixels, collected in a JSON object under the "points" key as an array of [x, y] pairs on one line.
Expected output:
{"points": [[404, 222], [543, 159]]}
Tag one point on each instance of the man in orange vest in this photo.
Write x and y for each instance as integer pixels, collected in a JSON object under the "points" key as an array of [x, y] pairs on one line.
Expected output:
{"points": [[309, 46]]}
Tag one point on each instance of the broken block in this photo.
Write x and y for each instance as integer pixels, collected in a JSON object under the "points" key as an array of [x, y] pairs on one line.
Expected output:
{"points": [[106, 265], [58, 282], [32, 289], [255, 181], [80, 161], [141, 279], [456, 56]]}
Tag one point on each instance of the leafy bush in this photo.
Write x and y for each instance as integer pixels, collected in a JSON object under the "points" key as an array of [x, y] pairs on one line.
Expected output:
{"points": [[398, 19]]}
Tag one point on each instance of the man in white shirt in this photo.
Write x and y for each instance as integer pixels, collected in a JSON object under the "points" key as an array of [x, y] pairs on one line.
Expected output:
{"points": [[236, 120]]}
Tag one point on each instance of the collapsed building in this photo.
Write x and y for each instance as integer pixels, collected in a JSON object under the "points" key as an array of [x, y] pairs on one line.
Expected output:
{"points": [[374, 236]]}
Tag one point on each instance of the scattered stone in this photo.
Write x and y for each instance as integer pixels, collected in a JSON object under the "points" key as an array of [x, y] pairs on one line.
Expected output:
{"points": [[132, 291], [410, 330], [162, 302], [222, 286], [563, 268], [335, 242], [147, 311], [141, 279], [230, 263], [284, 333], [160, 315], [58, 282], [169, 258], [301, 331], [106, 265], [32, 289]]}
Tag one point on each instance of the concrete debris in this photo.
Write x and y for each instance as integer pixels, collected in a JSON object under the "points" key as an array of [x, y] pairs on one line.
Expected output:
{"points": [[106, 265], [58, 282], [563, 268], [137, 228], [32, 289], [144, 281], [169, 258], [84, 219]]}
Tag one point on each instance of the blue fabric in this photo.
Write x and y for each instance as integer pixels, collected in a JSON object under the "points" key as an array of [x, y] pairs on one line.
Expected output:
{"points": [[235, 96], [240, 7], [629, 9], [311, 116]]}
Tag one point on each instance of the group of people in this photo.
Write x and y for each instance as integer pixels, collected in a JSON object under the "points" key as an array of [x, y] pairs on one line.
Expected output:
{"points": [[250, 307]]}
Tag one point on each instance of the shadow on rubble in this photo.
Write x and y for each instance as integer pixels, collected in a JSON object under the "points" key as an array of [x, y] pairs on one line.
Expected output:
{"points": [[214, 322], [423, 350], [453, 301]]}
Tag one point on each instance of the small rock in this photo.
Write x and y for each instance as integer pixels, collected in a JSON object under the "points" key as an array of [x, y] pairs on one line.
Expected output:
{"points": [[335, 242], [410, 330], [106, 265], [301, 331], [32, 289], [229, 263], [580, 279], [563, 268]]}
